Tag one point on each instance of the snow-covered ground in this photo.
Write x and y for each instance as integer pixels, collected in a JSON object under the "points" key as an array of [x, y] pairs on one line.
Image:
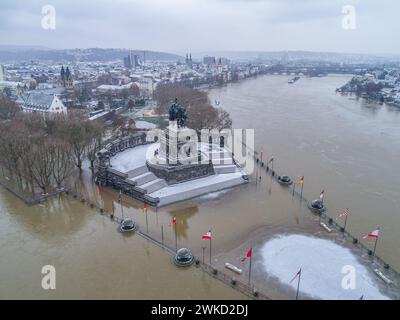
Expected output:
{"points": [[144, 125], [321, 262], [197, 184], [133, 158]]}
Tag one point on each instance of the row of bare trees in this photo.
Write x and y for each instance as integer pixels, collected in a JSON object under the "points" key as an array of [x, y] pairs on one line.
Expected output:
{"points": [[41, 152], [201, 113]]}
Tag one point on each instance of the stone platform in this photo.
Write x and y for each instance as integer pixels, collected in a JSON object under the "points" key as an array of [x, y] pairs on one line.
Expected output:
{"points": [[133, 171]]}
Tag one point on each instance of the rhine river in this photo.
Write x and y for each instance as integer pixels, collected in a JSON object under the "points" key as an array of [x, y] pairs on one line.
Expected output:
{"points": [[348, 147]]}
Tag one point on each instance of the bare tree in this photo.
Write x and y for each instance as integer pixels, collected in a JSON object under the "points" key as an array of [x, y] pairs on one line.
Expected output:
{"points": [[8, 108], [62, 161], [42, 168], [95, 136], [201, 114]]}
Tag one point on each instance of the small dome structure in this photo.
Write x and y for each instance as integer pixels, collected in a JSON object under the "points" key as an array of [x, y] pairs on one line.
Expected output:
{"points": [[285, 180], [317, 206], [183, 257], [127, 225]]}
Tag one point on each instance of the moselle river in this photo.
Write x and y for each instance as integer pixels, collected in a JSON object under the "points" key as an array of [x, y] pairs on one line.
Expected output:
{"points": [[348, 147]]}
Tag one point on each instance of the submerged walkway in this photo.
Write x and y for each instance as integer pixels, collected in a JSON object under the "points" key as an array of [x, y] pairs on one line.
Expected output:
{"points": [[221, 275]]}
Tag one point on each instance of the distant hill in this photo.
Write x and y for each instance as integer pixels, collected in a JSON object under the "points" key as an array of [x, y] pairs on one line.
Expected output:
{"points": [[294, 55], [25, 53], [20, 48]]}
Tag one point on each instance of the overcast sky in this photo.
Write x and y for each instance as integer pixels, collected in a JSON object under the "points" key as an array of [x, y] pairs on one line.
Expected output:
{"points": [[202, 25]]}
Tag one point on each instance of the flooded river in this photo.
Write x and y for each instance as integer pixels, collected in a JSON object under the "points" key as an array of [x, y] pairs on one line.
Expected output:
{"points": [[348, 147]]}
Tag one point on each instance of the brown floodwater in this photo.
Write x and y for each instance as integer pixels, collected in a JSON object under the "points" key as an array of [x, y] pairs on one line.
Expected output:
{"points": [[348, 147]]}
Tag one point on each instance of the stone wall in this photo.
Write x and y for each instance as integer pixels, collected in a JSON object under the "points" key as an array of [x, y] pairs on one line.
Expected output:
{"points": [[181, 173], [108, 176]]}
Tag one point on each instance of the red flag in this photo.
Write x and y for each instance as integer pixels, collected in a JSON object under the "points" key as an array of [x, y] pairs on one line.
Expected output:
{"points": [[373, 234], [298, 274], [343, 213], [173, 221], [207, 236], [248, 255]]}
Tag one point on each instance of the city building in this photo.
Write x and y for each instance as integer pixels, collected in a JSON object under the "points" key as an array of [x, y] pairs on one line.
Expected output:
{"points": [[43, 103], [209, 60], [132, 61], [189, 61]]}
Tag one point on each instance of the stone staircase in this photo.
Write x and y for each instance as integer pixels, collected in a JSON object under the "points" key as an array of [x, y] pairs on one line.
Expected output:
{"points": [[145, 180]]}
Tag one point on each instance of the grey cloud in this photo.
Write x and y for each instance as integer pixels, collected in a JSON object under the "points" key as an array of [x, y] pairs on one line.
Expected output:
{"points": [[197, 25]]}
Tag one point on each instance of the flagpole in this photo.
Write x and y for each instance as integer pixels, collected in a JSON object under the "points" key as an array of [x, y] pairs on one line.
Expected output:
{"points": [[345, 222], [298, 287], [210, 251], [294, 187], [301, 193], [250, 268], [376, 241], [272, 166], [162, 235], [147, 223], [120, 203], [176, 239]]}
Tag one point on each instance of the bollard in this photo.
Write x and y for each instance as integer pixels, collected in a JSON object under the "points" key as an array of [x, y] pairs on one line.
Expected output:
{"points": [[75, 196], [386, 266], [262, 164], [330, 220], [370, 252], [233, 281], [257, 160], [111, 216], [355, 240], [341, 229], [215, 271], [101, 210], [67, 192], [197, 261], [273, 173], [255, 292]]}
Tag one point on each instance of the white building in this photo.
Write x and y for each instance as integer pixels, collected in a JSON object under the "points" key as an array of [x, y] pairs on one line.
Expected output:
{"points": [[15, 87], [42, 102], [2, 73], [109, 88]]}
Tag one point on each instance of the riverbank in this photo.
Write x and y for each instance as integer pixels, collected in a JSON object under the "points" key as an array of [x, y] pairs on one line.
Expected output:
{"points": [[28, 198]]}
